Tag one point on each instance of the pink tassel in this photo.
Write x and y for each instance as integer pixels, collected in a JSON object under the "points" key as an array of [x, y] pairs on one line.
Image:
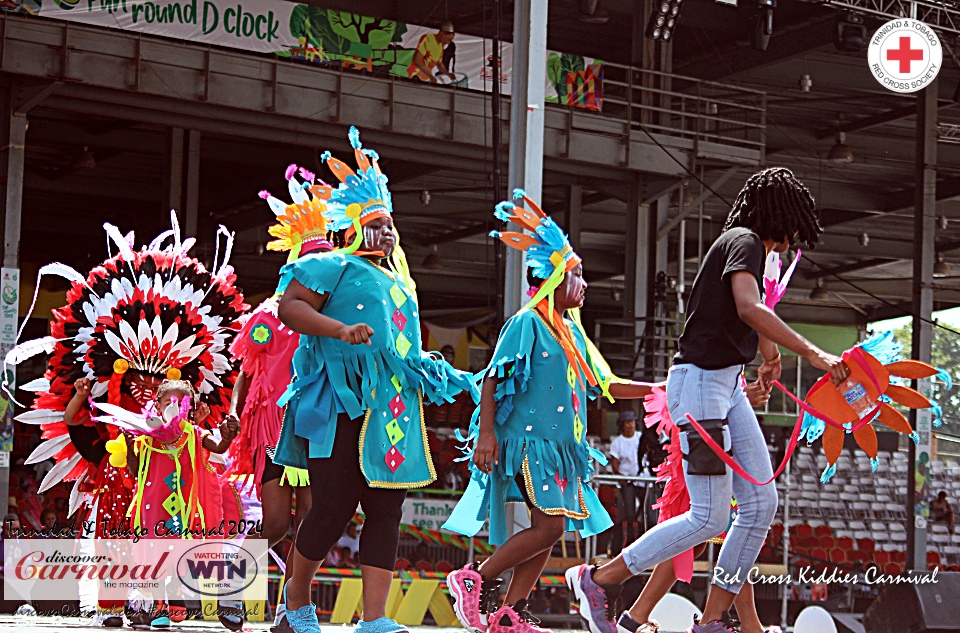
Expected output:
{"points": [[291, 170]]}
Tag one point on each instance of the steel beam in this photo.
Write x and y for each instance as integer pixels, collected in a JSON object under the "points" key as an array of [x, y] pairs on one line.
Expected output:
{"points": [[526, 127], [924, 244]]}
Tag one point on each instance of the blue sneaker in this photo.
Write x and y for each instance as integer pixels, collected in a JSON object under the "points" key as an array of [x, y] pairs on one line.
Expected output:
{"points": [[726, 624], [304, 619], [380, 625], [598, 604]]}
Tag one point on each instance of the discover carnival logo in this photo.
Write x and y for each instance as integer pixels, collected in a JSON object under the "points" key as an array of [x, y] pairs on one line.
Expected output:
{"points": [[905, 55], [49, 569]]}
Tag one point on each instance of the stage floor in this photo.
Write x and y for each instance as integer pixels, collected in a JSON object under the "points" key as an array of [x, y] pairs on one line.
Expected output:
{"points": [[82, 625]]}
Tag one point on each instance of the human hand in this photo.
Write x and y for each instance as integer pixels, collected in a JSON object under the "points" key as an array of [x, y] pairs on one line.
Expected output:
{"points": [[830, 363], [433, 79], [487, 453], [355, 334], [82, 386], [768, 373], [757, 394], [451, 76], [201, 412], [229, 429]]}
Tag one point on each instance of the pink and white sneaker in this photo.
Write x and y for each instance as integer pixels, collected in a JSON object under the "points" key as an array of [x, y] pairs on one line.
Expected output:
{"points": [[515, 620], [467, 588]]}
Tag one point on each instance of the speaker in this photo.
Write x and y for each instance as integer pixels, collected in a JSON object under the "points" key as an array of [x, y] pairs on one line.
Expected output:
{"points": [[909, 608]]}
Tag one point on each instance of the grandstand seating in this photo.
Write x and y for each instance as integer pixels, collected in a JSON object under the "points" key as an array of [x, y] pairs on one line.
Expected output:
{"points": [[860, 515]]}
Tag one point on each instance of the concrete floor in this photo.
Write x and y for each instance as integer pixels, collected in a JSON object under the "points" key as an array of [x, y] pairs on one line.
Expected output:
{"points": [[52, 624]]}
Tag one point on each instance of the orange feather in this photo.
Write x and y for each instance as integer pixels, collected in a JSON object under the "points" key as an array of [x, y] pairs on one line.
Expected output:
{"points": [[362, 161], [913, 369], [519, 241], [340, 169], [534, 207], [526, 219], [894, 419], [908, 397]]}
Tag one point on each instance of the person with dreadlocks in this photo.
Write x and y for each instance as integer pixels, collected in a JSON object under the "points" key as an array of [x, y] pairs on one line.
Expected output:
{"points": [[529, 433], [727, 321], [140, 317], [355, 417], [264, 349]]}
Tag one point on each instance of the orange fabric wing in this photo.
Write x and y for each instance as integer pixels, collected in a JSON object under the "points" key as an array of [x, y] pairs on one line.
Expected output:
{"points": [[908, 397], [894, 419], [828, 400], [913, 369], [519, 241], [832, 443], [867, 440]]}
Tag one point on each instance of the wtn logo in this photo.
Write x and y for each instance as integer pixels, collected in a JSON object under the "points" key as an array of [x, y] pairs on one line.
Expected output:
{"points": [[219, 569]]}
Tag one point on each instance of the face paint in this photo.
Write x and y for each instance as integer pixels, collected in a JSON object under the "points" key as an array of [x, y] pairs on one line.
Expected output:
{"points": [[143, 388], [378, 235], [571, 292]]}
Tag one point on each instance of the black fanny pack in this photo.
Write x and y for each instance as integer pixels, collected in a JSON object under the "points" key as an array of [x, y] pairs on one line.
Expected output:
{"points": [[701, 459]]}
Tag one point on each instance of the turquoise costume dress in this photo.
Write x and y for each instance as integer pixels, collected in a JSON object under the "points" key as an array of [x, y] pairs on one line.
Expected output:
{"points": [[385, 382], [541, 432]]}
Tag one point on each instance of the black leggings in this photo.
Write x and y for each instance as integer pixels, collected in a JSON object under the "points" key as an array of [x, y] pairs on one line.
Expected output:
{"points": [[337, 486]]}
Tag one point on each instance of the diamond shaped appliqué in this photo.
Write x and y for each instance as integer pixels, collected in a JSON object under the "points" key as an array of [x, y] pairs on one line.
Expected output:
{"points": [[577, 428], [398, 296], [403, 345], [393, 459], [394, 432], [398, 319], [396, 406]]}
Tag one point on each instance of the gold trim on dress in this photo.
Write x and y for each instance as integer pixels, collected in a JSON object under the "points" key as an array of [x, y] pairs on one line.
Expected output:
{"points": [[426, 449], [570, 514]]}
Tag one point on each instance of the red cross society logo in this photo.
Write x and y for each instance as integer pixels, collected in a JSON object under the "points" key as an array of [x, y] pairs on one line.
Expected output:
{"points": [[905, 55]]}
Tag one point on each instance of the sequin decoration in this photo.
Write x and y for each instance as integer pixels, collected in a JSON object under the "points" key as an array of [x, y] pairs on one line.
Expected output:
{"points": [[393, 459], [394, 432]]}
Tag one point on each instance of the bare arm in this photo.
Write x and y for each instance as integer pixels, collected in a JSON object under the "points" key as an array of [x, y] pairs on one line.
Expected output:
{"points": [[133, 461], [630, 390], [78, 403], [300, 308], [487, 452], [753, 312], [615, 464], [229, 429], [238, 399], [421, 64]]}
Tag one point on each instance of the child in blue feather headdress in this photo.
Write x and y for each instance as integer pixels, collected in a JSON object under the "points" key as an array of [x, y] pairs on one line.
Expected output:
{"points": [[354, 419], [530, 432]]}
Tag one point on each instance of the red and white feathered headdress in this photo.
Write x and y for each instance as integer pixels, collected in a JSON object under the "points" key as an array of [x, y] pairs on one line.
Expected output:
{"points": [[156, 311]]}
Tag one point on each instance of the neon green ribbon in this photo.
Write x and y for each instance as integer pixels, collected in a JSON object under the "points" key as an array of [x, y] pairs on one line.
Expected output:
{"points": [[296, 477], [598, 364], [357, 241]]}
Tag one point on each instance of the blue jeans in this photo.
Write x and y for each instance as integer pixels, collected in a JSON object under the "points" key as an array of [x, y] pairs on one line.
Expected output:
{"points": [[711, 395]]}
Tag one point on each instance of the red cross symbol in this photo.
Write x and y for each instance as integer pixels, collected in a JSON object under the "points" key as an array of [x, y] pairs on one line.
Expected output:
{"points": [[905, 54]]}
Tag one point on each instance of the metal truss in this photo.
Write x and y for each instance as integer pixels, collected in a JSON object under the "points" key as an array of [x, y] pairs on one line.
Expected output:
{"points": [[948, 133], [942, 15]]}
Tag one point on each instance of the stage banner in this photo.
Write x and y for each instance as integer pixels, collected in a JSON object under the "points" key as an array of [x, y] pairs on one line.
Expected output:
{"points": [[9, 313], [323, 36]]}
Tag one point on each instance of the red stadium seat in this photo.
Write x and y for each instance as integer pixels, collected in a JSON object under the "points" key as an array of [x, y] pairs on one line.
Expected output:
{"points": [[881, 557], [893, 569], [809, 542], [828, 542], [822, 530], [866, 545], [838, 555], [443, 566], [933, 558], [845, 543], [801, 530], [425, 566], [899, 557], [401, 564]]}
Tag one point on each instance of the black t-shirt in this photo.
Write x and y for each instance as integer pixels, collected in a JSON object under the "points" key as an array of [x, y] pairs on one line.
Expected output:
{"points": [[714, 337]]}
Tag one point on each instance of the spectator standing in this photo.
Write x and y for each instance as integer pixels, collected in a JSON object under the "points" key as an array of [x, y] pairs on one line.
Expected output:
{"points": [[625, 460]]}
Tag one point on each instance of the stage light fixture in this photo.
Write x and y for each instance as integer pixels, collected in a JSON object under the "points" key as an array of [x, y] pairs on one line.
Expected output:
{"points": [[851, 35], [764, 24], [840, 152], [941, 268], [819, 293], [663, 21]]}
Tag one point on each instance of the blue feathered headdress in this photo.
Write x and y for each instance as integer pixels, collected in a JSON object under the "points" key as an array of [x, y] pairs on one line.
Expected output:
{"points": [[362, 194], [549, 254]]}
